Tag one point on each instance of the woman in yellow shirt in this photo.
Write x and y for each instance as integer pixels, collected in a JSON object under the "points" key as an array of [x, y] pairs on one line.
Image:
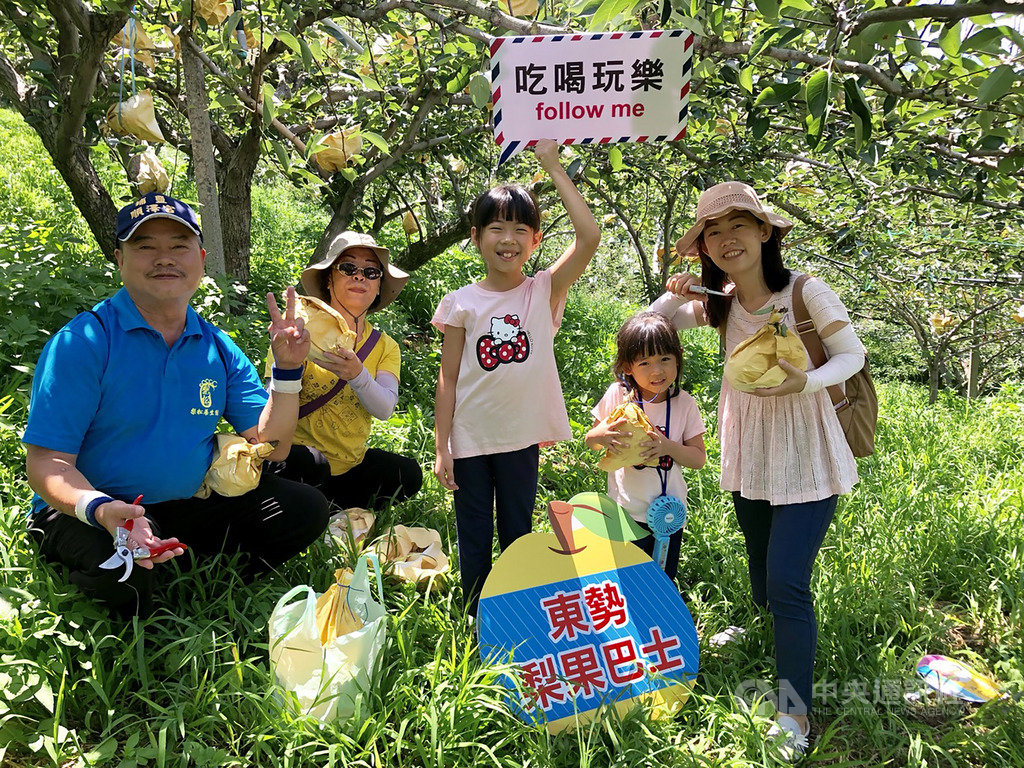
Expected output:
{"points": [[342, 393]]}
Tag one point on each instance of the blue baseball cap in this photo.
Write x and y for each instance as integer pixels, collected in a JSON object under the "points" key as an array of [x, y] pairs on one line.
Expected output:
{"points": [[155, 206]]}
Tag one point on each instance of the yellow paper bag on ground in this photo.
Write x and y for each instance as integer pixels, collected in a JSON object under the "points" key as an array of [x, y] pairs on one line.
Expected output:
{"points": [[236, 469], [328, 329], [637, 425], [135, 116], [412, 554], [349, 525], [754, 363], [334, 616]]}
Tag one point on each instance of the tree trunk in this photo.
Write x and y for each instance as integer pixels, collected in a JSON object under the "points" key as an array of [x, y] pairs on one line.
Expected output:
{"points": [[934, 374], [203, 163], [236, 205], [90, 196]]}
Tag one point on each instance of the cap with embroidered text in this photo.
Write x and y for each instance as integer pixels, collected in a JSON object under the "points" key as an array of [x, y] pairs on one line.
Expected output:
{"points": [[154, 206]]}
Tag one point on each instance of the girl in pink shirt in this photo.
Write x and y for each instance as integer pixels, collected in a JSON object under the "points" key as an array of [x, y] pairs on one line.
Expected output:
{"points": [[784, 455], [498, 393], [648, 363]]}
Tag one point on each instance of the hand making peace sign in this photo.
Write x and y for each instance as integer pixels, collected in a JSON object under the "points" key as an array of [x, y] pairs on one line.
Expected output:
{"points": [[289, 339]]}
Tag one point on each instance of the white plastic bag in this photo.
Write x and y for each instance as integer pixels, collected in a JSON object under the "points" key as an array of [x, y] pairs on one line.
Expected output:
{"points": [[328, 681]]}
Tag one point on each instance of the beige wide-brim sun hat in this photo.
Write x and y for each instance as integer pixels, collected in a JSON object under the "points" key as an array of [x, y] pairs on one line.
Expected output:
{"points": [[718, 200], [391, 282]]}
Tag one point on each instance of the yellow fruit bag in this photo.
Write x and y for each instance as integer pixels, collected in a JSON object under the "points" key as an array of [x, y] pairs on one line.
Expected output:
{"points": [[638, 426], [339, 147], [334, 616], [236, 469], [754, 363], [328, 329], [135, 116]]}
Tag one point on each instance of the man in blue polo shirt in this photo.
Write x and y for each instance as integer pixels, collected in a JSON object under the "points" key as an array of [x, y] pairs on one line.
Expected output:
{"points": [[125, 402]]}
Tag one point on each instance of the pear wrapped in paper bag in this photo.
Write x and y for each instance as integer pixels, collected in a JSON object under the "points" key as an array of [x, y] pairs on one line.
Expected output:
{"points": [[328, 329], [638, 426], [754, 363], [334, 615], [236, 470]]}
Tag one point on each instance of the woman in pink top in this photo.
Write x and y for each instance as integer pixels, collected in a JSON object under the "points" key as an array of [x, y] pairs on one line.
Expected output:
{"points": [[498, 393], [784, 455]]}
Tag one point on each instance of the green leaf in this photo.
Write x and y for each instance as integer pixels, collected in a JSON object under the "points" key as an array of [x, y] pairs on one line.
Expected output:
{"points": [[858, 107], [815, 128], [949, 40], [763, 40], [986, 40], [777, 93], [996, 84], [460, 80], [290, 40], [377, 140], [747, 79], [44, 695], [615, 158], [601, 515], [480, 90], [758, 125], [268, 103], [607, 11], [800, 5], [282, 154], [307, 54], [768, 8], [816, 94]]}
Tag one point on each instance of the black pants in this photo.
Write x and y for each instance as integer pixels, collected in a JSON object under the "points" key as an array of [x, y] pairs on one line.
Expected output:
{"points": [[500, 486], [675, 542], [268, 525], [380, 479]]}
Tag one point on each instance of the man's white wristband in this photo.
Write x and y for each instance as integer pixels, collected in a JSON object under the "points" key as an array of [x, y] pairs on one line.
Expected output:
{"points": [[287, 381], [286, 387], [88, 502]]}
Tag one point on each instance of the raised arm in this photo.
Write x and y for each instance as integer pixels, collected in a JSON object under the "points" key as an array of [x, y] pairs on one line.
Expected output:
{"points": [[571, 264], [289, 341]]}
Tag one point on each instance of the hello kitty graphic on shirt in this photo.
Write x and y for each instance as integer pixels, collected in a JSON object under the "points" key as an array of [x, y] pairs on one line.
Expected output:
{"points": [[506, 343]]}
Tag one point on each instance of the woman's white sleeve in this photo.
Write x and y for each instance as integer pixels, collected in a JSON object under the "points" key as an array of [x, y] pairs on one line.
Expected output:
{"points": [[378, 396], [845, 358], [681, 312]]}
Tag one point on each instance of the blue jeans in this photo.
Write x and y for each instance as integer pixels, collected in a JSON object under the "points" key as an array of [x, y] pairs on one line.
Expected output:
{"points": [[782, 542], [499, 486]]}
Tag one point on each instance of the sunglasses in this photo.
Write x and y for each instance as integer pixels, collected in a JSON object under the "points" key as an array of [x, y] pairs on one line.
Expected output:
{"points": [[349, 269]]}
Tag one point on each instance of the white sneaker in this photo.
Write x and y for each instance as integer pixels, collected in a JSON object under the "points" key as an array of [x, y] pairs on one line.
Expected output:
{"points": [[791, 742], [726, 636]]}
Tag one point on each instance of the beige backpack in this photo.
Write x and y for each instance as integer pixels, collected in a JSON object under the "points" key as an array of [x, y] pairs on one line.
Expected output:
{"points": [[857, 408]]}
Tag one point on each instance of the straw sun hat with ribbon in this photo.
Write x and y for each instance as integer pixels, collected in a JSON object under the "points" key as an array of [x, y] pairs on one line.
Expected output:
{"points": [[718, 200], [391, 281]]}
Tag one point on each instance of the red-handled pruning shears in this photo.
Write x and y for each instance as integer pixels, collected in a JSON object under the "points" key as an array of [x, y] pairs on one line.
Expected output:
{"points": [[125, 555]]}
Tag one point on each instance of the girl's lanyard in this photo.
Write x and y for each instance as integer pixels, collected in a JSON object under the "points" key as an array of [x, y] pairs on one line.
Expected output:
{"points": [[666, 514]]}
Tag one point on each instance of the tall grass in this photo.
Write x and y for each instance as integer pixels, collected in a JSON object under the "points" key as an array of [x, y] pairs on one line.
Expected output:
{"points": [[926, 555]]}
